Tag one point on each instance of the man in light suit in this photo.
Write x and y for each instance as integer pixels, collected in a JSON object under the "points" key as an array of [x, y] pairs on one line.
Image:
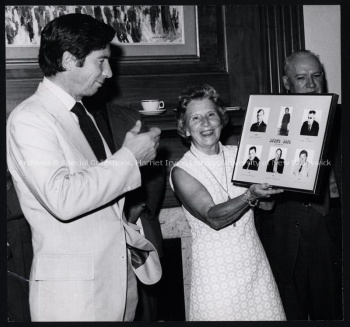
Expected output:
{"points": [[86, 255], [303, 167], [311, 126], [260, 125]]}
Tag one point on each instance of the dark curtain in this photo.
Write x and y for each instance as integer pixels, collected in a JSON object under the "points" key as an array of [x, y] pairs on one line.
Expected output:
{"points": [[258, 38], [282, 32]]}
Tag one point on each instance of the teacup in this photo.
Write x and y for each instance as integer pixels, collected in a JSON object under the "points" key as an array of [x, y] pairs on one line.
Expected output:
{"points": [[152, 105]]}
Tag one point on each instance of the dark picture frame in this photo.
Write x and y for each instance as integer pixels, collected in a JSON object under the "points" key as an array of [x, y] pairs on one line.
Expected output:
{"points": [[295, 161]]}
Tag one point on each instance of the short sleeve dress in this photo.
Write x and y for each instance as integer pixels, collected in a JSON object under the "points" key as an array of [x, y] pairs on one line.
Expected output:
{"points": [[231, 279]]}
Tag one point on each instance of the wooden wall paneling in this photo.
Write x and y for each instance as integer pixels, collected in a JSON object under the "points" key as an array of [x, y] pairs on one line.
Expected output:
{"points": [[17, 90], [130, 90]]}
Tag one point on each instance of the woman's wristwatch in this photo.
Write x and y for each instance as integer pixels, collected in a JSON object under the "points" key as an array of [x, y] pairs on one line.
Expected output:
{"points": [[246, 196]]}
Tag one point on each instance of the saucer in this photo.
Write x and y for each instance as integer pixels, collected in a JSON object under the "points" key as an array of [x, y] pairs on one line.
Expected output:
{"points": [[152, 112], [232, 108]]}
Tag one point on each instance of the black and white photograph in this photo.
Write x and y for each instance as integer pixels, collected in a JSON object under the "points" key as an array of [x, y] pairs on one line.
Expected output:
{"points": [[252, 162], [286, 115], [259, 122], [311, 122], [174, 163], [276, 164], [303, 163], [326, 104]]}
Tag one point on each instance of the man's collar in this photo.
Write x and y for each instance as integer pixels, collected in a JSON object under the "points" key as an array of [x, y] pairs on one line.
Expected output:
{"points": [[66, 98]]}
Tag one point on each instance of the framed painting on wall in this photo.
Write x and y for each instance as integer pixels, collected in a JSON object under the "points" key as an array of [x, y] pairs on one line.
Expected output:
{"points": [[284, 141], [141, 31]]}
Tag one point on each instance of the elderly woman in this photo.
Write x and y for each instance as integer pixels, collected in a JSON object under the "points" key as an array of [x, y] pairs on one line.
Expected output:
{"points": [[231, 278]]}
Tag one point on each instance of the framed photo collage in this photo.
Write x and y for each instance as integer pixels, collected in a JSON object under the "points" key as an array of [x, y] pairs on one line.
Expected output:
{"points": [[284, 141]]}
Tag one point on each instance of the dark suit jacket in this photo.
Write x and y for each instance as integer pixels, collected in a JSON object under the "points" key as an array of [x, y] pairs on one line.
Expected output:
{"points": [[258, 128], [19, 258], [252, 164], [285, 119], [285, 122], [314, 129], [280, 166], [121, 120]]}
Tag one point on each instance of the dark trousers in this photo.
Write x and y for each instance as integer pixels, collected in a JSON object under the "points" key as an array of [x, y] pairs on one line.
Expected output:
{"points": [[315, 291], [147, 306], [19, 259], [17, 298]]}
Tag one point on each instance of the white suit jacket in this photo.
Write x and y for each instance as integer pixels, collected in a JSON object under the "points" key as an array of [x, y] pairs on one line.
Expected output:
{"points": [[305, 171], [79, 238]]}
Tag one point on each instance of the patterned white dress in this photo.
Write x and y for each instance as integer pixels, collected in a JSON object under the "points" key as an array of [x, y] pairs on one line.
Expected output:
{"points": [[231, 278]]}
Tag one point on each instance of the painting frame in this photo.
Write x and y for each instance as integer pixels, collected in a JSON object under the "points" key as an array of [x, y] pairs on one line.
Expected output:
{"points": [[27, 54], [285, 140]]}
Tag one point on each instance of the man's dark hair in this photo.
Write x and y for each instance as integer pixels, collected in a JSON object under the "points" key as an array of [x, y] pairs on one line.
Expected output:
{"points": [[78, 34], [303, 152], [260, 111], [252, 148], [313, 112]]}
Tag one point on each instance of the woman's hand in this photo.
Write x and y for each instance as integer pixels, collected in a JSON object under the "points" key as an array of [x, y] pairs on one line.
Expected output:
{"points": [[264, 190]]}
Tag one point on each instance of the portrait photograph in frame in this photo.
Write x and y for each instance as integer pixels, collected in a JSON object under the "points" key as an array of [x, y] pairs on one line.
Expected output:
{"points": [[141, 31], [285, 140]]}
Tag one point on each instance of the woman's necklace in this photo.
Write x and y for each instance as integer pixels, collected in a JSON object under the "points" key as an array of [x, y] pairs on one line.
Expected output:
{"points": [[226, 190]]}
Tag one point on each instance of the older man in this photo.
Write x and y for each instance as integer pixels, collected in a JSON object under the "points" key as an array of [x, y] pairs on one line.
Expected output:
{"points": [[302, 234], [71, 187]]}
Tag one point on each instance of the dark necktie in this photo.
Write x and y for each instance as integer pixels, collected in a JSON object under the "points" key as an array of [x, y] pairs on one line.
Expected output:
{"points": [[301, 167], [324, 203], [90, 131]]}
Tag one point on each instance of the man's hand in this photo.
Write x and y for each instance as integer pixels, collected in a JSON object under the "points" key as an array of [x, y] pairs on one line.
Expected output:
{"points": [[133, 212], [143, 146]]}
